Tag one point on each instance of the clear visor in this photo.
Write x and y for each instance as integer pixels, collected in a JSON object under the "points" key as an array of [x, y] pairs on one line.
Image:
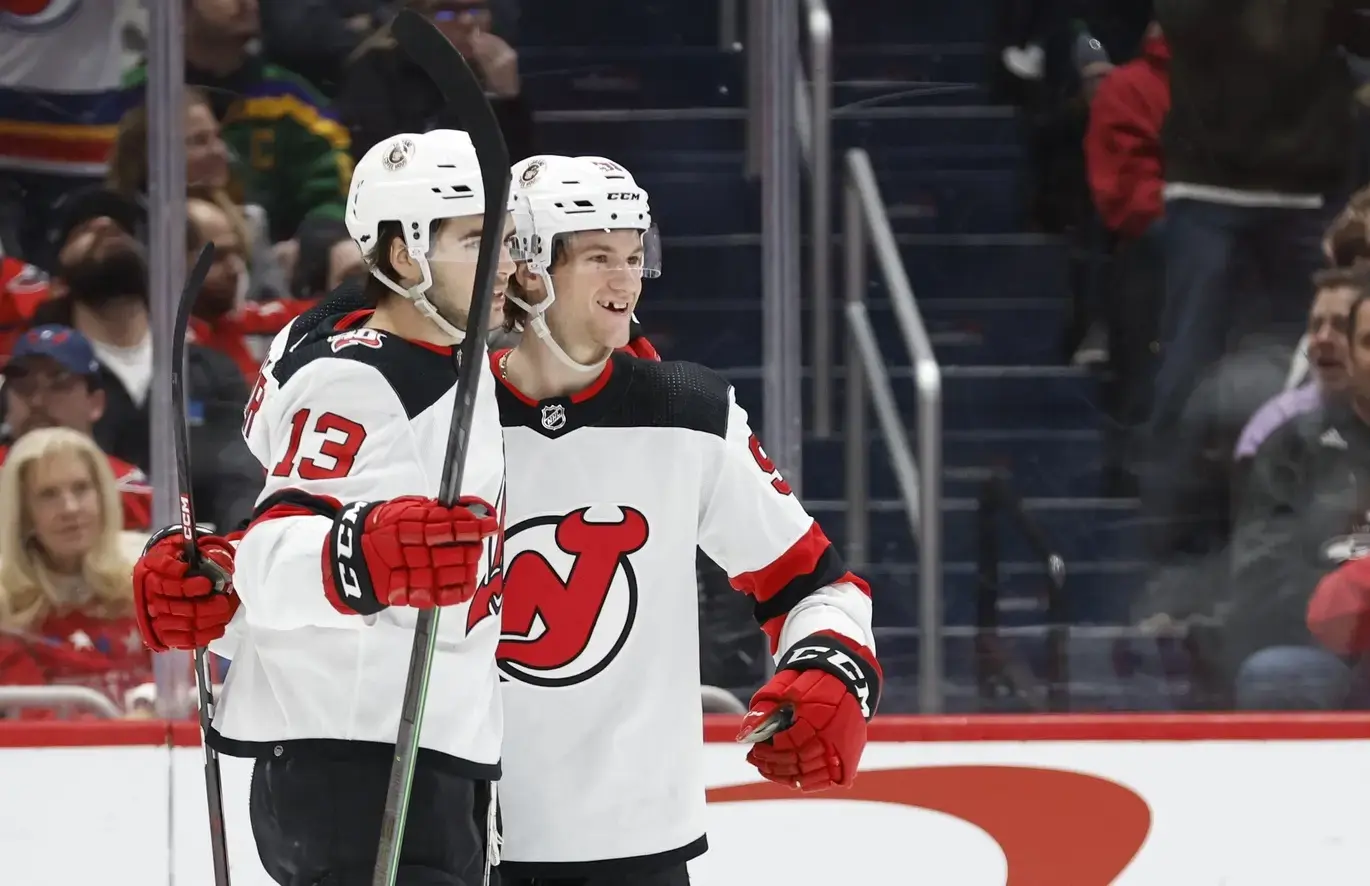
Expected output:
{"points": [[611, 251], [458, 241]]}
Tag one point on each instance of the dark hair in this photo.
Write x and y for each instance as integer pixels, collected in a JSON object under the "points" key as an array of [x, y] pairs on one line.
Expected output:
{"points": [[1349, 241], [1354, 276], [378, 257], [1361, 299]]}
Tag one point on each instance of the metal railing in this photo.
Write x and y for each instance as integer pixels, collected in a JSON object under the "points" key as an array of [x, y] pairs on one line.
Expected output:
{"points": [[76, 697], [813, 129], [866, 226], [997, 670]]}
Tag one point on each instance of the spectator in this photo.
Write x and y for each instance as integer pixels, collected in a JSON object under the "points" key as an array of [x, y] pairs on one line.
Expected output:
{"points": [[1334, 292], [209, 174], [295, 153], [315, 37], [1260, 133], [1302, 514], [104, 277], [57, 116], [328, 256], [66, 591], [1126, 176], [1123, 145], [223, 319], [23, 288], [384, 92], [53, 380]]}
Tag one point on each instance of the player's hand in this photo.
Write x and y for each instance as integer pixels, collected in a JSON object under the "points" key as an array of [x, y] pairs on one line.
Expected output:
{"points": [[408, 551], [498, 63], [832, 685], [179, 606]]}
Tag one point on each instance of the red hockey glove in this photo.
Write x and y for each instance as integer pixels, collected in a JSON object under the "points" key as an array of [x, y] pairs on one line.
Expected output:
{"points": [[408, 551], [1339, 610], [832, 685], [177, 606]]}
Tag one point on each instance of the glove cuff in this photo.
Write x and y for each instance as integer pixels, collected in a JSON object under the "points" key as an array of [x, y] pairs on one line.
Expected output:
{"points": [[845, 659], [346, 579]]}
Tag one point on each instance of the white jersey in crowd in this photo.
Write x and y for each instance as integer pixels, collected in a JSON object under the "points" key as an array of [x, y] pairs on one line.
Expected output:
{"points": [[343, 413], [610, 493]]}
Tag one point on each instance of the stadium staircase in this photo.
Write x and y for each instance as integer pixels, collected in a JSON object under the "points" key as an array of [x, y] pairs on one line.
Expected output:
{"points": [[651, 87]]}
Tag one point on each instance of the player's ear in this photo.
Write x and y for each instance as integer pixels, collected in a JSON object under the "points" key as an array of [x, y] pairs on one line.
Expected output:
{"points": [[406, 269]]}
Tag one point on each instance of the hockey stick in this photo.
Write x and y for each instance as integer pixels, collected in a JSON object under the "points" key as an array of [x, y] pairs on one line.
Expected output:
{"points": [[432, 52], [181, 438]]}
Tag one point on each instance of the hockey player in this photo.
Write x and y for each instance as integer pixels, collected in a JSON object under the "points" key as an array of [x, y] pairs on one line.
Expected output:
{"points": [[350, 418], [622, 467], [619, 469]]}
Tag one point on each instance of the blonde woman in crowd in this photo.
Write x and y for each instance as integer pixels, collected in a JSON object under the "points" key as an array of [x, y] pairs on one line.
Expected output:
{"points": [[66, 593]]}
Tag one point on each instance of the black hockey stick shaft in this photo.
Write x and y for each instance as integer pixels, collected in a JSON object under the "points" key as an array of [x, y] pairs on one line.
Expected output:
{"points": [[431, 51], [214, 794]]}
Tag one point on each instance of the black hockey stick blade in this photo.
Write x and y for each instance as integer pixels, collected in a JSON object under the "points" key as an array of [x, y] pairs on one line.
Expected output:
{"points": [[425, 45], [214, 794]]}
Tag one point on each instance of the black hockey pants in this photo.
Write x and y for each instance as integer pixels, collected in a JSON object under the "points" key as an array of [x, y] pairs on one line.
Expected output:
{"points": [[316, 818], [672, 876]]}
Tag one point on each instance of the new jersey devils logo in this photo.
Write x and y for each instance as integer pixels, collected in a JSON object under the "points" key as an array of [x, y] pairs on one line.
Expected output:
{"points": [[570, 596]]}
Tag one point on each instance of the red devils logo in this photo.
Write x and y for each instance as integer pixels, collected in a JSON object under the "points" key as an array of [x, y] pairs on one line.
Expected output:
{"points": [[571, 595]]}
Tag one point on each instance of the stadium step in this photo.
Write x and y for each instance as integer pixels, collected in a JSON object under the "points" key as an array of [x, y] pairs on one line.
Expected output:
{"points": [[687, 202], [1094, 592], [599, 78], [939, 267], [607, 132], [976, 398], [1081, 530], [1042, 464], [718, 332]]}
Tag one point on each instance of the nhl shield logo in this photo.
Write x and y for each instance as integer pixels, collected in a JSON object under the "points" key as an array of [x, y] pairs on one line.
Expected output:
{"points": [[400, 153], [554, 417]]}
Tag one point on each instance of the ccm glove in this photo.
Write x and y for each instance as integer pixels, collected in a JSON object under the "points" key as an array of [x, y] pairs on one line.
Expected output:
{"points": [[831, 685], [408, 551], [179, 606]]}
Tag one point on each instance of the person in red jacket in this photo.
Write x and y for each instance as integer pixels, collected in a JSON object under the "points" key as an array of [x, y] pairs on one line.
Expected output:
{"points": [[52, 379], [23, 288], [1123, 143]]}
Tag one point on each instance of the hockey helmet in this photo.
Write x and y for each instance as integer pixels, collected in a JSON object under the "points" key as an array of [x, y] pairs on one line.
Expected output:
{"points": [[554, 197], [414, 179]]}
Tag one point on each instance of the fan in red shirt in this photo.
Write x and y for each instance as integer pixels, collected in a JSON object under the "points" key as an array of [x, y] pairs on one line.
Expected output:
{"points": [[66, 594], [52, 379]]}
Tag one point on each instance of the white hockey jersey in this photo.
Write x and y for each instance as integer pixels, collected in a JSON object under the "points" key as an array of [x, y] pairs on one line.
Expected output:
{"points": [[344, 413], [609, 494]]}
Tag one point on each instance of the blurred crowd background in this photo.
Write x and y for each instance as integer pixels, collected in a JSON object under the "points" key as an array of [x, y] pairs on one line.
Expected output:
{"points": [[1136, 231]]}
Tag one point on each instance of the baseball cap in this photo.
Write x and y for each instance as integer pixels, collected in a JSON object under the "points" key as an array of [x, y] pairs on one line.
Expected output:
{"points": [[80, 206], [69, 348]]}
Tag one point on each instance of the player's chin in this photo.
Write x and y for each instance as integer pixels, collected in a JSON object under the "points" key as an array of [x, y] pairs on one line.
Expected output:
{"points": [[611, 331]]}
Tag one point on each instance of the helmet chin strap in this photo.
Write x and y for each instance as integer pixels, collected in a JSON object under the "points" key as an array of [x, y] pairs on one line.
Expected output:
{"points": [[538, 323], [416, 295]]}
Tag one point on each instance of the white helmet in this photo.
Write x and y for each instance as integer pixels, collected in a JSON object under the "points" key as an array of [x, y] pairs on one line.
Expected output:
{"points": [[414, 179], [554, 196]]}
